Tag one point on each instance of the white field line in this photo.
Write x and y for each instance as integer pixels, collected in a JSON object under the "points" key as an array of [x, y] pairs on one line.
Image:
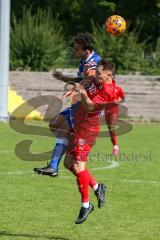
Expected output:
{"points": [[135, 181], [140, 181], [122, 180], [113, 165], [5, 151]]}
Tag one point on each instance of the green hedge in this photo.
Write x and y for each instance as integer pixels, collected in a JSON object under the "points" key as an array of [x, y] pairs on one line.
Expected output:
{"points": [[37, 42]]}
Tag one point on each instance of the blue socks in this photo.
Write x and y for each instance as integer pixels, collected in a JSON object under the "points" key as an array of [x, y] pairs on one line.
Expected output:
{"points": [[58, 151]]}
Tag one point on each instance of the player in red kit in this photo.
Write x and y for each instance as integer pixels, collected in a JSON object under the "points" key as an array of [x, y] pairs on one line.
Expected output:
{"points": [[112, 115], [86, 125]]}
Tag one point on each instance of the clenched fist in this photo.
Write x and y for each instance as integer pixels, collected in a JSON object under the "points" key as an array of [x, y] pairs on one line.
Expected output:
{"points": [[58, 75]]}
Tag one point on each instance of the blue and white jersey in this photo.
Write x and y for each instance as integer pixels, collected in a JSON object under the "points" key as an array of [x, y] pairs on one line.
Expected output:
{"points": [[93, 58]]}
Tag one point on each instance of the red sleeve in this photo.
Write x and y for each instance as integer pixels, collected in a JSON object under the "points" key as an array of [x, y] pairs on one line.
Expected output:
{"points": [[101, 100], [121, 93]]}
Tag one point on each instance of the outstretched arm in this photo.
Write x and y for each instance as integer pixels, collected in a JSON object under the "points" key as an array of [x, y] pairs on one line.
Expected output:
{"points": [[59, 76]]}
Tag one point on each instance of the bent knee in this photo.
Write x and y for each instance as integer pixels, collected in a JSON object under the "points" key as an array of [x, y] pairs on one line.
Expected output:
{"points": [[78, 166], [53, 125], [66, 165], [68, 161]]}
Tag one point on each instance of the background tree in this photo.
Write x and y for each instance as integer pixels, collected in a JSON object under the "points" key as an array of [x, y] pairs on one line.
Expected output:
{"points": [[37, 42], [124, 50], [143, 12], [76, 15], [133, 51]]}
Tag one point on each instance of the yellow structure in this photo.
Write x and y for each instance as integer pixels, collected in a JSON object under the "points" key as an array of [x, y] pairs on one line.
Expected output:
{"points": [[15, 101]]}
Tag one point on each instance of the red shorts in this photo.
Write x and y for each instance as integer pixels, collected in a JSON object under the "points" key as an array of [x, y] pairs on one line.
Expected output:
{"points": [[79, 149]]}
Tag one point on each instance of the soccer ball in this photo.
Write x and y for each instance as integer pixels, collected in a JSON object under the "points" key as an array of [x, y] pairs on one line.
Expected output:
{"points": [[115, 25]]}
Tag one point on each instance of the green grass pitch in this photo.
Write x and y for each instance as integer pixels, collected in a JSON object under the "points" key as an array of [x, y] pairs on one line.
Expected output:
{"points": [[41, 208]]}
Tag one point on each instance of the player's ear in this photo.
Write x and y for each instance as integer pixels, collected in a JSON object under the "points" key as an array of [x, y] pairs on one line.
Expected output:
{"points": [[87, 52]]}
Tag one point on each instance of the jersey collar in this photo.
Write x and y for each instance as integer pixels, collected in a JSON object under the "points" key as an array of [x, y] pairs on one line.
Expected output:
{"points": [[87, 59]]}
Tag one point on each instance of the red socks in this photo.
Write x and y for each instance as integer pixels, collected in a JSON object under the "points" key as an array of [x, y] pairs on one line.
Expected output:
{"points": [[92, 181], [84, 179], [83, 183]]}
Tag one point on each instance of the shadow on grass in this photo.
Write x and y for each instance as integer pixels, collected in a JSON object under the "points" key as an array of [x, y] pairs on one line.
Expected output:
{"points": [[27, 235]]}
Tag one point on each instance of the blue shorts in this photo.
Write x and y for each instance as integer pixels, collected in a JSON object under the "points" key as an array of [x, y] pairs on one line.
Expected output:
{"points": [[68, 114]]}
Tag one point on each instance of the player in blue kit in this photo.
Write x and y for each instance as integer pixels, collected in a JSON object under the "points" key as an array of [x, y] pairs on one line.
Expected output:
{"points": [[89, 59]]}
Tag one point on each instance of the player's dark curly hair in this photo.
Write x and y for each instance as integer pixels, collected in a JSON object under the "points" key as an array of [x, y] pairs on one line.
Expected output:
{"points": [[107, 65], [84, 40]]}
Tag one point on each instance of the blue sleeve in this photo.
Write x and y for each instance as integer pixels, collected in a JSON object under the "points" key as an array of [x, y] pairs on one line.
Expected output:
{"points": [[96, 58]]}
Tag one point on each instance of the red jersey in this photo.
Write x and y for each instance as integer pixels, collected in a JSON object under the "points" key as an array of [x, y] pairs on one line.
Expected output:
{"points": [[91, 91], [118, 93], [87, 124], [112, 110]]}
